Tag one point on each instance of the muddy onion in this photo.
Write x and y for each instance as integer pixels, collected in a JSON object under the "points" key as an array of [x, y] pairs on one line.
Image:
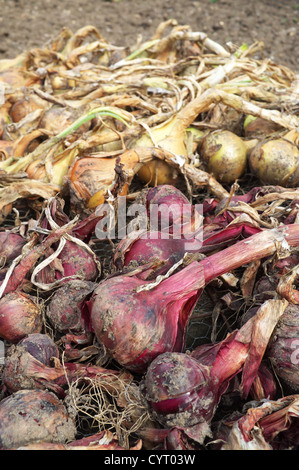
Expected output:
{"points": [[276, 161], [19, 316], [136, 326], [37, 345], [176, 387], [34, 415], [64, 307], [283, 350], [74, 261], [225, 155]]}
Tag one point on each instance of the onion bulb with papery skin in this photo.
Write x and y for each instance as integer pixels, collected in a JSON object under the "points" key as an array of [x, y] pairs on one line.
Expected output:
{"points": [[11, 245], [15, 374], [158, 172], [137, 320], [174, 385], [19, 316], [183, 390], [25, 105], [63, 309], [283, 350], [75, 261], [275, 161], [135, 326], [169, 209], [225, 155], [34, 415]]}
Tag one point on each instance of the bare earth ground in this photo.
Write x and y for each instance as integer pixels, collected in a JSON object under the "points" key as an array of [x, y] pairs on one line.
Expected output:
{"points": [[25, 24]]}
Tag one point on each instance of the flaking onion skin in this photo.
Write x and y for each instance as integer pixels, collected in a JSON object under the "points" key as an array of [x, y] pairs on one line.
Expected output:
{"points": [[275, 161], [11, 245]]}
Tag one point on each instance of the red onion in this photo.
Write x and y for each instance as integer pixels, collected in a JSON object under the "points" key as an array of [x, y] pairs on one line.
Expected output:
{"points": [[19, 316], [15, 374], [136, 321], [64, 308], [153, 249], [169, 209], [35, 250], [134, 326], [179, 390], [76, 261], [168, 195], [34, 363], [34, 415], [75, 258], [184, 390], [11, 245], [283, 350]]}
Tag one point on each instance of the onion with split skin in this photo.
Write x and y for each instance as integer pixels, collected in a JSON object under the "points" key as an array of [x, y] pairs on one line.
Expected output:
{"points": [[28, 416]]}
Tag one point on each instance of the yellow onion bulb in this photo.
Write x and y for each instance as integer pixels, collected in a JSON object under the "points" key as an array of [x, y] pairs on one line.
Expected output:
{"points": [[276, 162], [157, 172], [23, 106], [225, 155]]}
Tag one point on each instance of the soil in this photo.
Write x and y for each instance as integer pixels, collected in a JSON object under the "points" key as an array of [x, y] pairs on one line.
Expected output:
{"points": [[25, 24]]}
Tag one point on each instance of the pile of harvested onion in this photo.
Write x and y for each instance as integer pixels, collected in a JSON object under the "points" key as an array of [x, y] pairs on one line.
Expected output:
{"points": [[184, 334]]}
